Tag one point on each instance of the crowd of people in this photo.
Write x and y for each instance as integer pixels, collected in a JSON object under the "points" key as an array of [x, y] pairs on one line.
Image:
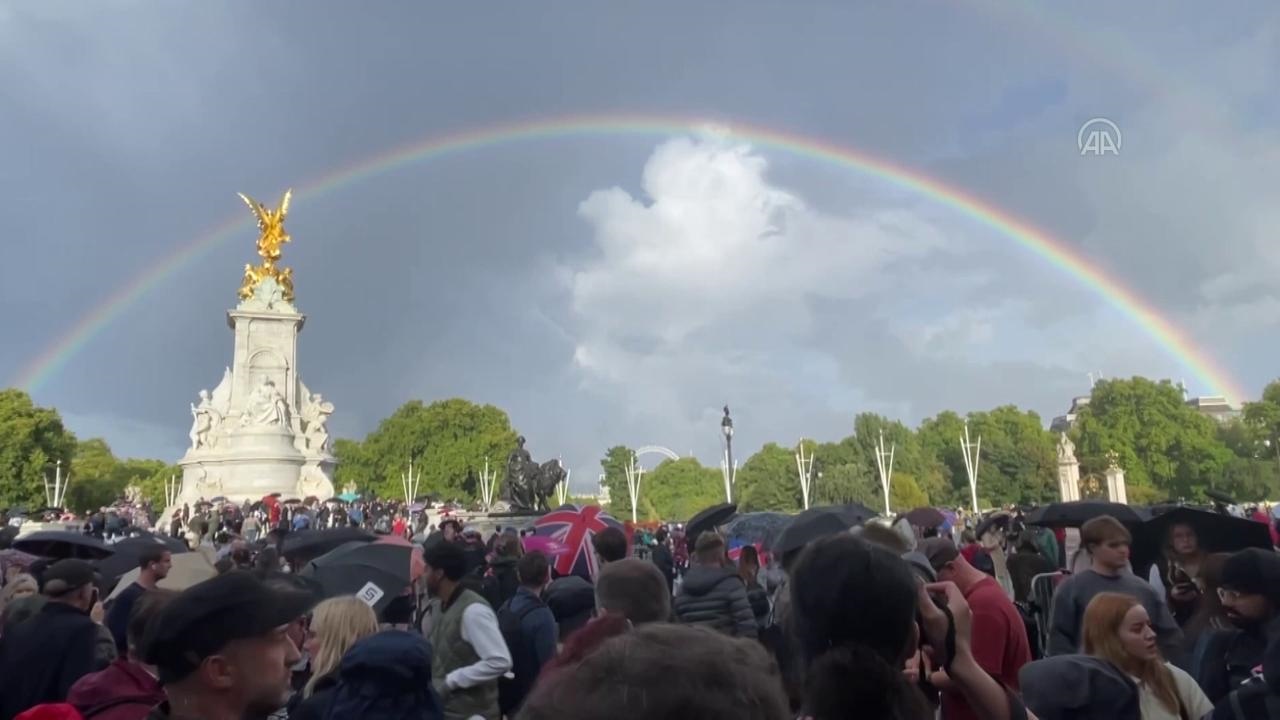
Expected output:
{"points": [[889, 621]]}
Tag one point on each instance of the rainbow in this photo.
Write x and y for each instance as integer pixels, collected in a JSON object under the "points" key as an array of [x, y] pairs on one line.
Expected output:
{"points": [[1057, 253]]}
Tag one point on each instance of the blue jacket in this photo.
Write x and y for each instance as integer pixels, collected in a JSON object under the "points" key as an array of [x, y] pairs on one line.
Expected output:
{"points": [[538, 627], [386, 676], [531, 647]]}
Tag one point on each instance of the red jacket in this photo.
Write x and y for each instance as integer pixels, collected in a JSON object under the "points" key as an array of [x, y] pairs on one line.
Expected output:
{"points": [[123, 691]]}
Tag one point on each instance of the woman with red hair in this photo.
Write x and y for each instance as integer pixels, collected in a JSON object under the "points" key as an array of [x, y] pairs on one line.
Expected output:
{"points": [[1118, 629]]}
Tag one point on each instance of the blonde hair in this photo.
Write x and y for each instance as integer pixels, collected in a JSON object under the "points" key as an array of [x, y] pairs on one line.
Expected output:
{"points": [[1102, 621], [21, 581], [337, 623]]}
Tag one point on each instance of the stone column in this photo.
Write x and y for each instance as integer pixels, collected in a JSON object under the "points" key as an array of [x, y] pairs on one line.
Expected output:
{"points": [[1115, 480]]}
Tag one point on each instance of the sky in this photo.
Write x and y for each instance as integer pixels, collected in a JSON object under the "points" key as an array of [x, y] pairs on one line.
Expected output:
{"points": [[620, 288]]}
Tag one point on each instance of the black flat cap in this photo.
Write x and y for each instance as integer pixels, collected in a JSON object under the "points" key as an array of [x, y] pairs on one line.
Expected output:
{"points": [[207, 616], [66, 575]]}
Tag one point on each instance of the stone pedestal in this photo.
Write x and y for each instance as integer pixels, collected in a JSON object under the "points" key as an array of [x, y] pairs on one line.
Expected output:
{"points": [[260, 431], [1115, 485]]}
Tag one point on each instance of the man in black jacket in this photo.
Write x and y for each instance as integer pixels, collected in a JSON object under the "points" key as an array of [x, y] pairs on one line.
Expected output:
{"points": [[41, 659], [712, 595], [663, 558], [1250, 594]]}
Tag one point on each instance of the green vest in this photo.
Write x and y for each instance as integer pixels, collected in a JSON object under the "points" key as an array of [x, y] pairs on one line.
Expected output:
{"points": [[450, 652]]}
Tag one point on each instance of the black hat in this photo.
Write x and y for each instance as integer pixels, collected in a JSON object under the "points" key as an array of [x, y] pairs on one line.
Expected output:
{"points": [[206, 616], [939, 551], [1253, 571], [65, 576]]}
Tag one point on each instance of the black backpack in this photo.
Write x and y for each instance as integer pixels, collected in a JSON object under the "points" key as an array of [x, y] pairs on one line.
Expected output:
{"points": [[524, 663]]}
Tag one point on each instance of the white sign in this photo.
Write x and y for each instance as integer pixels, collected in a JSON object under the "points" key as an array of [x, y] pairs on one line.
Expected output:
{"points": [[370, 594], [1099, 136]]}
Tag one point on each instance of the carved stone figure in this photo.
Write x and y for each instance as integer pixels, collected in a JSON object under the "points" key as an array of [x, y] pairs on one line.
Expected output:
{"points": [[202, 423], [208, 485], [313, 483], [316, 414], [1066, 449], [267, 408]]}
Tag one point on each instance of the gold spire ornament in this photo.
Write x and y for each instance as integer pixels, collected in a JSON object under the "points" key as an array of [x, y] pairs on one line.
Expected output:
{"points": [[271, 237]]}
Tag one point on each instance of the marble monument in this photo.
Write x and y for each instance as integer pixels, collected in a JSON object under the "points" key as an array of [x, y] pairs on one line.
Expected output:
{"points": [[261, 430]]}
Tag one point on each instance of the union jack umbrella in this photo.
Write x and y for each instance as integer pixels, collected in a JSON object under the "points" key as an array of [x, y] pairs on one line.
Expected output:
{"points": [[573, 527]]}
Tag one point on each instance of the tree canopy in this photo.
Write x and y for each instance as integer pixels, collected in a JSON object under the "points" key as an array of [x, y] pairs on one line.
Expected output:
{"points": [[447, 442], [1167, 449]]}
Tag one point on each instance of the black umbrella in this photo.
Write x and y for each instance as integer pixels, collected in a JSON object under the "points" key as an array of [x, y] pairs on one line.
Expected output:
{"points": [[708, 519], [174, 545], [60, 544], [926, 517], [999, 520], [808, 526], [1215, 532], [1078, 512], [761, 527], [314, 543], [373, 572], [854, 513], [128, 553]]}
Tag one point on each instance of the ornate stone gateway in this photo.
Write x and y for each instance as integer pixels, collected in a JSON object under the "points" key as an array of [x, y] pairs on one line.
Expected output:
{"points": [[261, 430]]}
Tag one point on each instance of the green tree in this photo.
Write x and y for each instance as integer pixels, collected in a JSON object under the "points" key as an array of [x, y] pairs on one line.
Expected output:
{"points": [[940, 441], [905, 494], [1167, 449], [909, 454], [32, 439], [1263, 417], [614, 464], [768, 480], [95, 483], [153, 485], [1248, 479], [1018, 462], [677, 489], [446, 441], [848, 483], [354, 467]]}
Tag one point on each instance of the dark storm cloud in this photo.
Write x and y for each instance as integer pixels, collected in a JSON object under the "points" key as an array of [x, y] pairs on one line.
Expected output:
{"points": [[129, 126]]}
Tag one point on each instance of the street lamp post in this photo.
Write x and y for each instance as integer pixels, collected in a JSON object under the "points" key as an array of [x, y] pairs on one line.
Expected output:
{"points": [[727, 465]]}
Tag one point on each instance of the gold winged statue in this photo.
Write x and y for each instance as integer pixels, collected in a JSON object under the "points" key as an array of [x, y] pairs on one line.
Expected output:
{"points": [[271, 236]]}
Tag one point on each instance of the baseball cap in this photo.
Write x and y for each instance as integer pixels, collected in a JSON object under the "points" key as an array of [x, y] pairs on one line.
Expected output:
{"points": [[209, 615], [65, 576], [1253, 571], [938, 550]]}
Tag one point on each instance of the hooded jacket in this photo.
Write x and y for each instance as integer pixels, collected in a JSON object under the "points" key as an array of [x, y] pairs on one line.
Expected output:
{"points": [[386, 676], [1078, 687], [123, 691], [714, 597]]}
